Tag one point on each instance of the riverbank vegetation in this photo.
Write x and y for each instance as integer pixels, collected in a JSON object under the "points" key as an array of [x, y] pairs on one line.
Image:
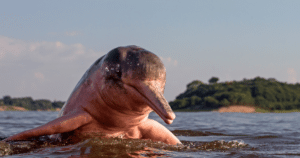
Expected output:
{"points": [[27, 103], [266, 95]]}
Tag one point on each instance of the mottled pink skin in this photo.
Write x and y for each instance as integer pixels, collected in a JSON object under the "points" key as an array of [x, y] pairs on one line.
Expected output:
{"points": [[113, 108]]}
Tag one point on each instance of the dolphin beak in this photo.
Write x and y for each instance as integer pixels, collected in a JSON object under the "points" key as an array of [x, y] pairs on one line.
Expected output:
{"points": [[155, 99]]}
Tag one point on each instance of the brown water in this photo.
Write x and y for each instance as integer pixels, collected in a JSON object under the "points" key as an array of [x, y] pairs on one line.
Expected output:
{"points": [[203, 134]]}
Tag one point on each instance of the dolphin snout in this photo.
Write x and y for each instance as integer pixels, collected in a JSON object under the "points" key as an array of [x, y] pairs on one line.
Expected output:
{"points": [[153, 96]]}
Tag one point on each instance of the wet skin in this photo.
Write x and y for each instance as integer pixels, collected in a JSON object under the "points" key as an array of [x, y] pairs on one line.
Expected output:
{"points": [[114, 98]]}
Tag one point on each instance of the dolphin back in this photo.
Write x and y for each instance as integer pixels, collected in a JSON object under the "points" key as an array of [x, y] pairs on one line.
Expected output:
{"points": [[86, 75]]}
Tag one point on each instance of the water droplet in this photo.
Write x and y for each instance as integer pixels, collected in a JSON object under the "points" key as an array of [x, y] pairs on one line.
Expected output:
{"points": [[106, 69], [118, 68], [138, 64]]}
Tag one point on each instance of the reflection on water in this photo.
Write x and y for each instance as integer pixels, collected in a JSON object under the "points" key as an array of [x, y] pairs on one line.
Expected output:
{"points": [[203, 134]]}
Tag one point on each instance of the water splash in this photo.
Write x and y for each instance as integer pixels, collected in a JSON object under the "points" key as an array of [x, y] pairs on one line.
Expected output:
{"points": [[113, 147], [106, 69], [218, 145]]}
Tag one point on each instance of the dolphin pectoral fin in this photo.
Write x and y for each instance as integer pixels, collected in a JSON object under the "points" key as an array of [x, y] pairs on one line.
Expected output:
{"points": [[62, 124], [153, 130]]}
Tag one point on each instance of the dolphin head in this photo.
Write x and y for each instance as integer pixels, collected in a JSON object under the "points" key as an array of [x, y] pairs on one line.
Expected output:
{"points": [[135, 79]]}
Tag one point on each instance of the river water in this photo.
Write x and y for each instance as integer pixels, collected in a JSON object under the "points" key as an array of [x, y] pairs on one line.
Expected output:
{"points": [[204, 134]]}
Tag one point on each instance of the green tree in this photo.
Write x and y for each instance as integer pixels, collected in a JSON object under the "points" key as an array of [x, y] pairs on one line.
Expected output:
{"points": [[193, 84], [278, 106], [43, 104], [267, 94], [244, 98], [26, 102], [257, 90], [213, 80], [225, 102], [261, 101], [57, 104], [289, 106], [211, 102], [7, 100], [279, 95], [222, 95], [195, 100], [179, 103]]}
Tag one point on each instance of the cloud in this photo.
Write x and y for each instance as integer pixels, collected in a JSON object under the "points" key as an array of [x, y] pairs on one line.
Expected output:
{"points": [[168, 61], [292, 75], [44, 51], [11, 46], [39, 75], [2, 55], [42, 69]]}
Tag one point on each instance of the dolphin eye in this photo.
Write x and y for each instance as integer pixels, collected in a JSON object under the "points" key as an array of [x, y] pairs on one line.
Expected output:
{"points": [[114, 81]]}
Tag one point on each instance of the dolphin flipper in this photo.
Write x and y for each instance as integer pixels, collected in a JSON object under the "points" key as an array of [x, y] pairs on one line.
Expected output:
{"points": [[62, 124], [157, 132]]}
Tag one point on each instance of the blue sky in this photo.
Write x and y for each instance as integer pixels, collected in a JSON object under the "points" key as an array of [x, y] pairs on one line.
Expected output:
{"points": [[46, 46]]}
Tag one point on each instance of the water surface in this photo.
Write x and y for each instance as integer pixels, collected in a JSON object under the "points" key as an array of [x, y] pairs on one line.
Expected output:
{"points": [[204, 134]]}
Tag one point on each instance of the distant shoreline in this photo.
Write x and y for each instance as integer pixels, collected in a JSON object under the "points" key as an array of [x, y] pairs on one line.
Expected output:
{"points": [[240, 109], [227, 109], [17, 108]]}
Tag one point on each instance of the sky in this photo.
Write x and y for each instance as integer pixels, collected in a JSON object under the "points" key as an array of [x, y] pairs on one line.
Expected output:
{"points": [[46, 46]]}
